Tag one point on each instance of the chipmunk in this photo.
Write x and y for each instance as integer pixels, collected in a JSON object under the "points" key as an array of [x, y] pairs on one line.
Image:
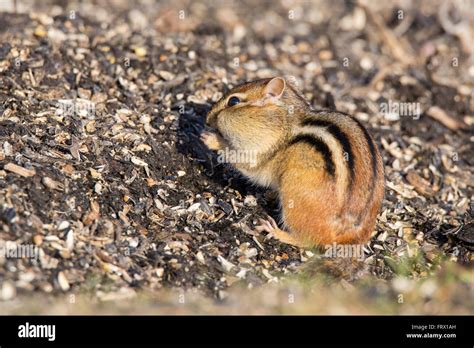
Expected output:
{"points": [[324, 165]]}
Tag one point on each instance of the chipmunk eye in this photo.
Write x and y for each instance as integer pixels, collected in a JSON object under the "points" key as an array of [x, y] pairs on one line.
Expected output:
{"points": [[233, 101]]}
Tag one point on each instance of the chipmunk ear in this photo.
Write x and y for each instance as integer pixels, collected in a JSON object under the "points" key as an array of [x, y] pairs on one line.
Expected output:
{"points": [[275, 87]]}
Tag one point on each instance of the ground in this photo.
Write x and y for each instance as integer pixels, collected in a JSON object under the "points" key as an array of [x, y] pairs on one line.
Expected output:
{"points": [[103, 172]]}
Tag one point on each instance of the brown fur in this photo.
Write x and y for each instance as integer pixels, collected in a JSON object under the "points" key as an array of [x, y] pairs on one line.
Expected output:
{"points": [[317, 207]]}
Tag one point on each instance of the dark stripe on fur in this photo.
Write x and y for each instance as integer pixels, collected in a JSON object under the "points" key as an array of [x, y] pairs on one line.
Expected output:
{"points": [[319, 146], [341, 137], [373, 154], [372, 149]]}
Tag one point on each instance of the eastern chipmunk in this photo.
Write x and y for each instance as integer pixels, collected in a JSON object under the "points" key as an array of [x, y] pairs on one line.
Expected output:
{"points": [[324, 164]]}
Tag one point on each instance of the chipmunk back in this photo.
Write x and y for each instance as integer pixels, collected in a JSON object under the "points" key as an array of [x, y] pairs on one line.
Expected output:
{"points": [[324, 164]]}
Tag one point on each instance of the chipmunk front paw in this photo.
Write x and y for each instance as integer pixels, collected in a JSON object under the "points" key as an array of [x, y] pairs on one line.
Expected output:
{"points": [[211, 140]]}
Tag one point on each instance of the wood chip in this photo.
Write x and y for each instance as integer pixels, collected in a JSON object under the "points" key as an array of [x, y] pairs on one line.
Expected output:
{"points": [[63, 282], [93, 214], [52, 184], [26, 173], [421, 185], [225, 264], [445, 119]]}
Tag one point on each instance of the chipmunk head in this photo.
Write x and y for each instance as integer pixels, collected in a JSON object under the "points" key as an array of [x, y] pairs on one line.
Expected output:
{"points": [[255, 115]]}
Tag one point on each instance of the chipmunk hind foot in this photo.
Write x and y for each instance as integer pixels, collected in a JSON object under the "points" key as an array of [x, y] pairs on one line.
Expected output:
{"points": [[270, 226]]}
